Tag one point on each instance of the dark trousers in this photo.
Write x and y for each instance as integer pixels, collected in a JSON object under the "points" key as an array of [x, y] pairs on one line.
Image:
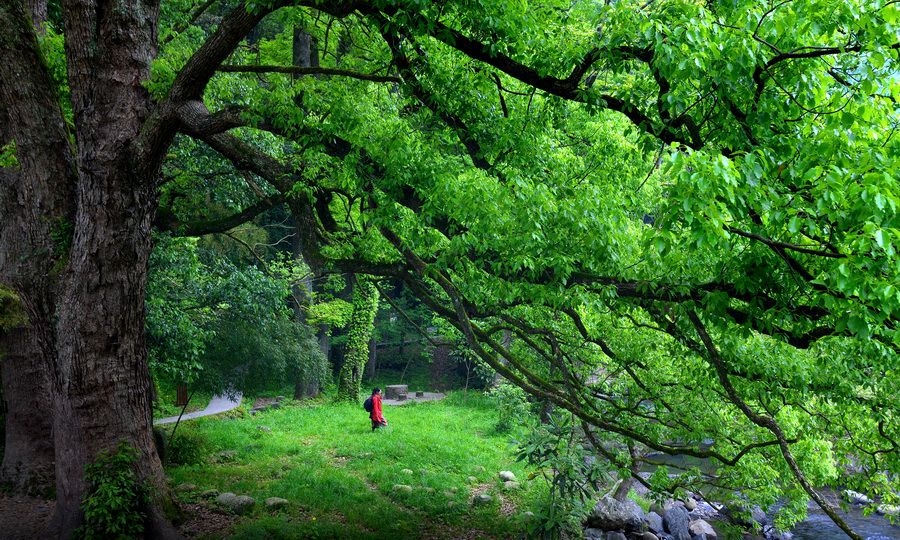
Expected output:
{"points": [[377, 424]]}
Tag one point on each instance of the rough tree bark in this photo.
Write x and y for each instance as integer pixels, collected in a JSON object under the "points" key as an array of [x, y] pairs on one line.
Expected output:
{"points": [[36, 206]]}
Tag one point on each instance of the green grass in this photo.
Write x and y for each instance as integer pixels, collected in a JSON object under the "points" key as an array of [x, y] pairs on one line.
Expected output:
{"points": [[338, 475]]}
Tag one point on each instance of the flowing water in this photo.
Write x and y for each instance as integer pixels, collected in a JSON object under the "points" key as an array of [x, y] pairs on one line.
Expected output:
{"points": [[817, 525]]}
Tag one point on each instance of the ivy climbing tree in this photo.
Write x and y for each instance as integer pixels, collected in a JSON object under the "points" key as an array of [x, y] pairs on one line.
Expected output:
{"points": [[359, 333]]}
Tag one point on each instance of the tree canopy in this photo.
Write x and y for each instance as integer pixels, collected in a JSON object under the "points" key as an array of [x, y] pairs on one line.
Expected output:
{"points": [[684, 213]]}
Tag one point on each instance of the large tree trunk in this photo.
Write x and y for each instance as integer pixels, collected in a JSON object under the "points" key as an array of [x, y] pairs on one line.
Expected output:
{"points": [[36, 207], [102, 377]]}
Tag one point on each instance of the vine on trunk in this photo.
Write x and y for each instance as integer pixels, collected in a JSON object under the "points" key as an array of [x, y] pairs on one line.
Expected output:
{"points": [[362, 322]]}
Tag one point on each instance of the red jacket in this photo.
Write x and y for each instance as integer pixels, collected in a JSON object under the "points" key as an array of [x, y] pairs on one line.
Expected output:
{"points": [[376, 415]]}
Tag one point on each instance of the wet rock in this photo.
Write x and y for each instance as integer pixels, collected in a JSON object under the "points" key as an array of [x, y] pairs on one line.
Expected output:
{"points": [[888, 510], [610, 515], [698, 527], [274, 503], [507, 476], [654, 522], [677, 523], [855, 497]]}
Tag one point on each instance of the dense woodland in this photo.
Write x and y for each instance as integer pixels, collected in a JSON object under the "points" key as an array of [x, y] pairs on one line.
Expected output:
{"points": [[675, 220]]}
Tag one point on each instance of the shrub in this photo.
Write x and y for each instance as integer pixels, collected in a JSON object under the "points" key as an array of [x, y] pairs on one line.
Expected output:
{"points": [[187, 448], [512, 406], [116, 500]]}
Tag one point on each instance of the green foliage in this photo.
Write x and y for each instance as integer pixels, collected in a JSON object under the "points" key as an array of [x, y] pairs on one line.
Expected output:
{"points": [[555, 449], [11, 313], [512, 407], [8, 155], [359, 332], [116, 499], [187, 447]]}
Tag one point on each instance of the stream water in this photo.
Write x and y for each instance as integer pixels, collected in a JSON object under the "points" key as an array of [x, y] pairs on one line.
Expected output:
{"points": [[817, 525]]}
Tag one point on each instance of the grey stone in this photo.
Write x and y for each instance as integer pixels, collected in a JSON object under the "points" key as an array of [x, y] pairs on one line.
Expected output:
{"points": [[484, 498], [239, 504], [677, 522], [407, 471], [472, 480], [507, 476], [616, 535], [593, 534], [428, 489], [698, 527], [888, 510], [226, 456], [479, 468], [209, 494], [279, 399], [402, 488], [610, 515], [647, 535], [856, 497], [510, 485], [758, 515], [275, 405], [184, 488], [654, 522], [274, 503], [690, 504]]}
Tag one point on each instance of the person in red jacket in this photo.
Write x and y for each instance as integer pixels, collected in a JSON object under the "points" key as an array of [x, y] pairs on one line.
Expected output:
{"points": [[376, 416]]}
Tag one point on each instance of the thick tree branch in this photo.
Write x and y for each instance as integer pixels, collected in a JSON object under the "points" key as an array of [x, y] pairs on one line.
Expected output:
{"points": [[299, 70]]}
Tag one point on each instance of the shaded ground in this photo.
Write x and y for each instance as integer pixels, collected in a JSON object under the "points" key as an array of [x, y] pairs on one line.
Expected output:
{"points": [[24, 518]]}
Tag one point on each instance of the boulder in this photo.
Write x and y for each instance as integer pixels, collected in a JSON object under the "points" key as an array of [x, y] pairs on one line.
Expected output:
{"points": [[402, 488], [184, 488], [677, 522], [698, 527], [654, 522], [888, 510], [593, 534], [690, 504], [610, 515], [616, 535], [855, 497], [507, 476], [483, 498], [239, 504], [759, 515], [510, 485], [647, 535], [274, 503]]}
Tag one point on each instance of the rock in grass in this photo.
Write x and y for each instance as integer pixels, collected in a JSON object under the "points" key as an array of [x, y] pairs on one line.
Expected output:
{"points": [[407, 471], [482, 499], [699, 527], [225, 456], [184, 488], [428, 489], [274, 503], [239, 504], [209, 494], [510, 485], [264, 429], [453, 490], [472, 480], [402, 488], [507, 476], [479, 468]]}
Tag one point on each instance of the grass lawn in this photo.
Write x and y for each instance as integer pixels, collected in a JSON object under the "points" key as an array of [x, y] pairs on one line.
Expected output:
{"points": [[339, 476]]}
